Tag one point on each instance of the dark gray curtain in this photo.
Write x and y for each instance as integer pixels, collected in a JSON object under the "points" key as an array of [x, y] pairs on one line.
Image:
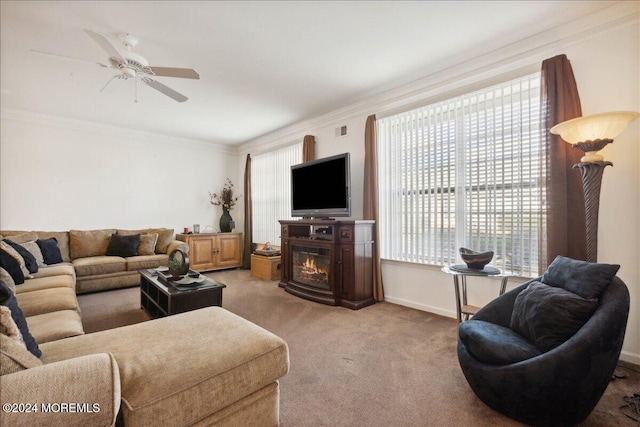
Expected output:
{"points": [[566, 228], [370, 208], [248, 230]]}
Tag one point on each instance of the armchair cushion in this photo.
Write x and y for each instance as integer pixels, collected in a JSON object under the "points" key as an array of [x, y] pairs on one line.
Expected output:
{"points": [[548, 316], [494, 344], [587, 279]]}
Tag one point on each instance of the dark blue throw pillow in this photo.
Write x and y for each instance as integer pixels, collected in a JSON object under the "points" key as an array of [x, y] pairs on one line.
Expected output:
{"points": [[548, 315], [50, 250], [123, 246], [10, 264], [29, 259], [8, 299], [587, 279]]}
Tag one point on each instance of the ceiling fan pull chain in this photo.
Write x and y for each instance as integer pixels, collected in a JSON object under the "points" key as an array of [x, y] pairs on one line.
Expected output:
{"points": [[136, 88], [110, 80]]}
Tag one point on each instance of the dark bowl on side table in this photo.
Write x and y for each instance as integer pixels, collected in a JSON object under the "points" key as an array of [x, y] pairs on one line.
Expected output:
{"points": [[475, 260]]}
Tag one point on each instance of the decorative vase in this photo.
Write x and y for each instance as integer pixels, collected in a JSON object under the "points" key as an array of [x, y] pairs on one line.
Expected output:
{"points": [[225, 221]]}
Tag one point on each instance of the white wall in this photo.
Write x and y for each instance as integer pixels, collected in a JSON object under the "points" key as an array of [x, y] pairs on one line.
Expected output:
{"points": [[58, 174], [604, 52]]}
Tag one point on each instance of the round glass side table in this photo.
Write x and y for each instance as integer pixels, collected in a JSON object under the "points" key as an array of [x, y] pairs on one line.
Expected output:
{"points": [[460, 274]]}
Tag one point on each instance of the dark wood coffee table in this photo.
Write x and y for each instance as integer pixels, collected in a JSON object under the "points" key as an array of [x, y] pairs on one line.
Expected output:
{"points": [[160, 298]]}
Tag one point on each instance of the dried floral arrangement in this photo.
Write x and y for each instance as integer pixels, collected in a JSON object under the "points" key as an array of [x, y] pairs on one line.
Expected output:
{"points": [[226, 198]]}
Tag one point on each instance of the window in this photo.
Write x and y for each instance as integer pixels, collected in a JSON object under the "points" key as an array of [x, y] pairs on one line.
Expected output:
{"points": [[465, 172], [271, 191]]}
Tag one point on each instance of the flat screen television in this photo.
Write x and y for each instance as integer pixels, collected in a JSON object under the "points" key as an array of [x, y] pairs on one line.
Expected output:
{"points": [[321, 188]]}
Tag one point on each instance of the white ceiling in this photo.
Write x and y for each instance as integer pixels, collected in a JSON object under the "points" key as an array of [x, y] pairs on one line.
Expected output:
{"points": [[263, 65]]}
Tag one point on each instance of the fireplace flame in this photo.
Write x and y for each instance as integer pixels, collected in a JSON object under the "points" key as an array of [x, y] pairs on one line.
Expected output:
{"points": [[309, 267]]}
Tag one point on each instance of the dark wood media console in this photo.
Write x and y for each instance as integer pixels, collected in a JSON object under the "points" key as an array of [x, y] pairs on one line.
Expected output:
{"points": [[328, 261]]}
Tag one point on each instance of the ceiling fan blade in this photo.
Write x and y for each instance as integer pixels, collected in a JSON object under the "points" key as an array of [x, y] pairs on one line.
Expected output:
{"points": [[164, 89], [106, 45], [184, 73], [37, 52]]}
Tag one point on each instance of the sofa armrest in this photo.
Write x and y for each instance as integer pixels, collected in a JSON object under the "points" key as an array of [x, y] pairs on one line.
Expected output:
{"points": [[177, 244], [76, 392]]}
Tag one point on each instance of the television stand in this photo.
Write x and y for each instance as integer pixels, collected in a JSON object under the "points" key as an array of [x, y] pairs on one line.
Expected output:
{"points": [[328, 261]]}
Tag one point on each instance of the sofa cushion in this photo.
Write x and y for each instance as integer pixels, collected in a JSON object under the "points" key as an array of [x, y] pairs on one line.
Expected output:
{"points": [[47, 301], [14, 357], [131, 232], [34, 250], [50, 250], [148, 261], [55, 325], [96, 265], [62, 269], [11, 265], [89, 243], [246, 359], [587, 279], [20, 237], [494, 344], [9, 300], [103, 282], [148, 244], [165, 236], [123, 246], [548, 316], [46, 282], [30, 261]]}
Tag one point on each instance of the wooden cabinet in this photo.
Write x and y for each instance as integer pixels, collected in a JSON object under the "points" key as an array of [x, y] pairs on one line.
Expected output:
{"points": [[213, 251], [328, 261]]}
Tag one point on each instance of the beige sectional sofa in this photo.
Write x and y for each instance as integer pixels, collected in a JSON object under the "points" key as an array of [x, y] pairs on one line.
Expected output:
{"points": [[203, 367], [86, 251]]}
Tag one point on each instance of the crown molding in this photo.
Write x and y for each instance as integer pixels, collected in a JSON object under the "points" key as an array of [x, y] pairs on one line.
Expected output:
{"points": [[113, 131], [518, 58]]}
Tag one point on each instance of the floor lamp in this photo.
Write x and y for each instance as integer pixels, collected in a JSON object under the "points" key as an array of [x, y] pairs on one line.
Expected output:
{"points": [[591, 134]]}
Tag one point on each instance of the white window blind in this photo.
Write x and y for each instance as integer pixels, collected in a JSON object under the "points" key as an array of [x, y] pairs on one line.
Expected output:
{"points": [[271, 191], [465, 172]]}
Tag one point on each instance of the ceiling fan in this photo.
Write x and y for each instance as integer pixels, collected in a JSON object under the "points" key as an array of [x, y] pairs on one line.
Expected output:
{"points": [[134, 66]]}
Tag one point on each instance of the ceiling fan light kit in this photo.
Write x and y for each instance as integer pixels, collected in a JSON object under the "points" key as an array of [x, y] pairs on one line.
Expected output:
{"points": [[133, 65]]}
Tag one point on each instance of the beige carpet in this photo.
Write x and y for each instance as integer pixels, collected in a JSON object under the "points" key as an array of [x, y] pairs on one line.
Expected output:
{"points": [[384, 365]]}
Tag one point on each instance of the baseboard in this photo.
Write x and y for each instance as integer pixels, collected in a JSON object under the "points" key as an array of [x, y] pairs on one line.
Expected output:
{"points": [[625, 356], [422, 307], [629, 357]]}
